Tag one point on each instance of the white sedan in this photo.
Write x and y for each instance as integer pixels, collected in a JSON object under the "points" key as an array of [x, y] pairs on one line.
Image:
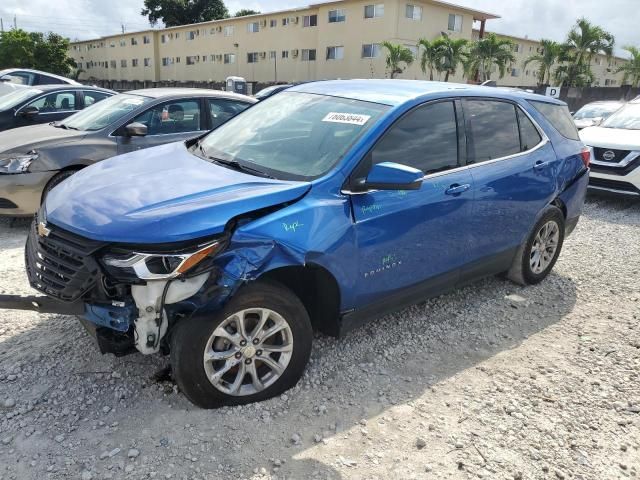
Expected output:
{"points": [[615, 156]]}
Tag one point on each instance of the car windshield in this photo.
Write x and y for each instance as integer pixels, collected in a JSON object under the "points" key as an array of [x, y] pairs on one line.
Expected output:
{"points": [[13, 99], [627, 118], [292, 135], [596, 110], [105, 112]]}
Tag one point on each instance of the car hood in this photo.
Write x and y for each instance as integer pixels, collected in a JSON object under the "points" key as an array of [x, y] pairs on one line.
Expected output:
{"points": [[24, 139], [617, 138], [160, 195]]}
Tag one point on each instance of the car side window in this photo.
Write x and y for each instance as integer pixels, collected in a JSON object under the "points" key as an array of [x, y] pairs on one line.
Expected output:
{"points": [[47, 80], [91, 97], [176, 116], [425, 138], [492, 129], [22, 78], [529, 135], [222, 110], [55, 102]]}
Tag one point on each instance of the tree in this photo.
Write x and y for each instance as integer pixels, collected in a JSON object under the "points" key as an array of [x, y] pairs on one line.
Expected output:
{"points": [[489, 52], [182, 12], [631, 69], [48, 52], [246, 11], [454, 52], [546, 60], [430, 56], [397, 54], [583, 42]]}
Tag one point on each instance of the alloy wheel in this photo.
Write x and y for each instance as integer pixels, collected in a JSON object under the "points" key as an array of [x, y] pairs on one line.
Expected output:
{"points": [[544, 247]]}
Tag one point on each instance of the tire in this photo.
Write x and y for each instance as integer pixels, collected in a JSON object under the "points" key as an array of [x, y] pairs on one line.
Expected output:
{"points": [[522, 271], [55, 181], [217, 334]]}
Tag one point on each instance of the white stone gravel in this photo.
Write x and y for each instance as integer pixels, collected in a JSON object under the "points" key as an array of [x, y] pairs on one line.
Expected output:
{"points": [[492, 381]]}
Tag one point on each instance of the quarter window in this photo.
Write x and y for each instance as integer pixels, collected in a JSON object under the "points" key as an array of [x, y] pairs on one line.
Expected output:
{"points": [[425, 138], [172, 117], [559, 117], [374, 11], [455, 23], [529, 135], [492, 129], [336, 16]]}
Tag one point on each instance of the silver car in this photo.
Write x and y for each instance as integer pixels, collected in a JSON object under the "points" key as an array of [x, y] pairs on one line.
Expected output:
{"points": [[35, 159], [594, 113]]}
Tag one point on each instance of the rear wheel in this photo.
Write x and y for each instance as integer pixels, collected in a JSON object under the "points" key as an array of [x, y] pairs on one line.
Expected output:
{"points": [[255, 348], [536, 258]]}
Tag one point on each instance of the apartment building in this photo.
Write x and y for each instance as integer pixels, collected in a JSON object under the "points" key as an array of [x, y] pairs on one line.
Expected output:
{"points": [[338, 39], [518, 75]]}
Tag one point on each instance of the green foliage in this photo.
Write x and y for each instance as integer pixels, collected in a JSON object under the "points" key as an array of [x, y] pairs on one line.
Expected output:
{"points": [[546, 60], [183, 12], [631, 69], [453, 53], [397, 55], [430, 56], [245, 11], [486, 53], [47, 52]]}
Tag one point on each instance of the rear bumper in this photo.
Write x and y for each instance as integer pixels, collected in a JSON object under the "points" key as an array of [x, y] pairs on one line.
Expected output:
{"points": [[20, 194]]}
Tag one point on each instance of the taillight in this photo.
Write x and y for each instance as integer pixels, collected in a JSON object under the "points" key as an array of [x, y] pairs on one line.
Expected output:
{"points": [[586, 156]]}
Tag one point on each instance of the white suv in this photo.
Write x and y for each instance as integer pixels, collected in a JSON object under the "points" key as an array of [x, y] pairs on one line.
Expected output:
{"points": [[615, 157]]}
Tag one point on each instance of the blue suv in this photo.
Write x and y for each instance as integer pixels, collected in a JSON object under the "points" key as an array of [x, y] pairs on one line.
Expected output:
{"points": [[322, 207]]}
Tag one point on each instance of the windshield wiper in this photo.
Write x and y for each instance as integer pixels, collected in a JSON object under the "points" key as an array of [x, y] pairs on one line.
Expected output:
{"points": [[240, 167]]}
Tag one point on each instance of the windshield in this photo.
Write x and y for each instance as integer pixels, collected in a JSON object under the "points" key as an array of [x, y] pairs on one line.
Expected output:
{"points": [[293, 136], [627, 118], [105, 112], [594, 111], [15, 98]]}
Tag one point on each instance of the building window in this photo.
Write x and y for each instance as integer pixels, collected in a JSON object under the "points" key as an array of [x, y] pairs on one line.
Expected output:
{"points": [[134, 41], [515, 72], [336, 16], [228, 30], [252, 57], [166, 61], [177, 59], [273, 23], [193, 59], [253, 27], [285, 53], [516, 48], [413, 49], [285, 21], [310, 21], [272, 54], [123, 63], [414, 12], [123, 43], [177, 34], [455, 23], [309, 55], [146, 39], [374, 11], [370, 50], [335, 53], [163, 38], [147, 62], [229, 58], [113, 64], [134, 62], [192, 34]]}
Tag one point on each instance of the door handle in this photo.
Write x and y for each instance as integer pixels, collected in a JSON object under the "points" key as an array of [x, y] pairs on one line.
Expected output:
{"points": [[539, 165], [457, 189]]}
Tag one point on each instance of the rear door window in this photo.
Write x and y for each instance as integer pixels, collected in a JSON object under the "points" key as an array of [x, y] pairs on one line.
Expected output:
{"points": [[221, 110], [529, 135], [492, 130], [559, 117]]}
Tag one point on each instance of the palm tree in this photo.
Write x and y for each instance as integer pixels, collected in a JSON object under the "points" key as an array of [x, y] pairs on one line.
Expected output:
{"points": [[430, 57], [631, 68], [488, 52], [454, 52], [397, 54], [546, 59], [583, 42]]}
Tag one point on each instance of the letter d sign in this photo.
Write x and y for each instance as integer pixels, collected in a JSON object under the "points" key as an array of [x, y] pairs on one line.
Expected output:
{"points": [[553, 92]]}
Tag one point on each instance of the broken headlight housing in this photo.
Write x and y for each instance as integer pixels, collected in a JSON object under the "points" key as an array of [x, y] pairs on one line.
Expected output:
{"points": [[16, 163], [160, 265]]}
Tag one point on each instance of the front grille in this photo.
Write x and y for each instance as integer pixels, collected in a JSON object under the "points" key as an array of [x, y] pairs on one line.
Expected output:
{"points": [[61, 264], [613, 184], [609, 155], [616, 169]]}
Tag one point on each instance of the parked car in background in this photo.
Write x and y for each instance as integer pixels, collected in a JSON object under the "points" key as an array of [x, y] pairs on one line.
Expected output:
{"points": [[46, 103], [272, 90], [594, 113], [325, 206], [27, 76], [615, 165], [8, 87], [35, 159]]}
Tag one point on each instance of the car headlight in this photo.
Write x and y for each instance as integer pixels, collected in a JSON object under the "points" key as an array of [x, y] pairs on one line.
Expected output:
{"points": [[17, 163], [159, 266]]}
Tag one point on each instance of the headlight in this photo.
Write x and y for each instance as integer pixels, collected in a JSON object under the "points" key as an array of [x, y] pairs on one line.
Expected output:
{"points": [[16, 163], [160, 266]]}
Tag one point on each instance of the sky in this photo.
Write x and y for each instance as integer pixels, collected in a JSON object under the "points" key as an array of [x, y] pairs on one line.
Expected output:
{"points": [[85, 19]]}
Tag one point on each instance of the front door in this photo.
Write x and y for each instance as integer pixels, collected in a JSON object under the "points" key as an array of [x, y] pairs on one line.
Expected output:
{"points": [[406, 238]]}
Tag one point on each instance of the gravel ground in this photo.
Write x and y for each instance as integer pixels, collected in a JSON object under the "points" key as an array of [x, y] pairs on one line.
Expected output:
{"points": [[491, 381]]}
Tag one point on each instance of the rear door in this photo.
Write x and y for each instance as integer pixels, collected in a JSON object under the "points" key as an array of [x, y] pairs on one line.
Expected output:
{"points": [[170, 121], [514, 168]]}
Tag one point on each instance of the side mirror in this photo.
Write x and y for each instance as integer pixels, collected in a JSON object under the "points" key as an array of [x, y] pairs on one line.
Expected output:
{"points": [[135, 129], [392, 176], [29, 112], [596, 121]]}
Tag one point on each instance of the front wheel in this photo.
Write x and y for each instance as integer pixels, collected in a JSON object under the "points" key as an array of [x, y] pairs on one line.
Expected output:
{"points": [[255, 348]]}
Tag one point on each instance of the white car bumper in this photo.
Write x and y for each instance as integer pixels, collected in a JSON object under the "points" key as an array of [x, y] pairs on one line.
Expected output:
{"points": [[605, 179]]}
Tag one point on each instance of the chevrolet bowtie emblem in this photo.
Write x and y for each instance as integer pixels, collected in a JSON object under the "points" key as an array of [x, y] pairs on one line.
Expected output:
{"points": [[43, 231]]}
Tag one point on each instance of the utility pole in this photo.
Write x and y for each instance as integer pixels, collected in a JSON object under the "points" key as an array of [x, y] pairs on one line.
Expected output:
{"points": [[15, 23], [122, 27], [1, 26]]}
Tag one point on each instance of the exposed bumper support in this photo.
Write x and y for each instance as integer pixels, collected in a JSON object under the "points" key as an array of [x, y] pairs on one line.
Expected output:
{"points": [[41, 304]]}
